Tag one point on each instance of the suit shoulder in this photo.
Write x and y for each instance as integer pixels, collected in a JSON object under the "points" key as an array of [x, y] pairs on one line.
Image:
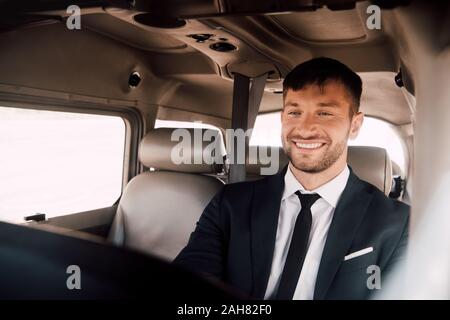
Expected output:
{"points": [[242, 188], [387, 205]]}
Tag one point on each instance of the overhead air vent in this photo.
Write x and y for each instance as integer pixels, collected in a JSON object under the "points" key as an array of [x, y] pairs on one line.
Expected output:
{"points": [[132, 33], [223, 46], [134, 80], [158, 21], [201, 37]]}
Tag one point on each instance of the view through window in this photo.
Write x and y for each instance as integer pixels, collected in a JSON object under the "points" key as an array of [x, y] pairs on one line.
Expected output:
{"points": [[58, 163]]}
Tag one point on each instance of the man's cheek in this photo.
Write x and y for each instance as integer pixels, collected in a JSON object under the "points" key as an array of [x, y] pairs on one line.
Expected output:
{"points": [[284, 135]]}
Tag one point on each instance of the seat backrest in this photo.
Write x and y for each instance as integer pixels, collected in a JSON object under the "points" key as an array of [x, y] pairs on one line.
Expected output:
{"points": [[158, 209], [371, 164]]}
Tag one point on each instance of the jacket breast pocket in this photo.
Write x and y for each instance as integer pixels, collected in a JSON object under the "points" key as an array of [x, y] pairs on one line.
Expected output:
{"points": [[359, 263]]}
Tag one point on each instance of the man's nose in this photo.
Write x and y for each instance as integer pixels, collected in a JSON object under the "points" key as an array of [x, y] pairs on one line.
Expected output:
{"points": [[306, 125]]}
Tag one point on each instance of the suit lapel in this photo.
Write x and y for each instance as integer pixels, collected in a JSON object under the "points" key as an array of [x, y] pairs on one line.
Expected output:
{"points": [[264, 222], [347, 217]]}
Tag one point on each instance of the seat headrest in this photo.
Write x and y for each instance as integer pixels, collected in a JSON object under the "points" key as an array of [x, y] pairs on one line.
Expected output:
{"points": [[182, 150], [371, 164]]}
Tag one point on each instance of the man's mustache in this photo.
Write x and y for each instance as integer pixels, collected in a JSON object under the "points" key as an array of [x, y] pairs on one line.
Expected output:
{"points": [[297, 137]]}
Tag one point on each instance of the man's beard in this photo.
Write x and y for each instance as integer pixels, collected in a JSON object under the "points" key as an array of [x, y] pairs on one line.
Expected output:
{"points": [[329, 158]]}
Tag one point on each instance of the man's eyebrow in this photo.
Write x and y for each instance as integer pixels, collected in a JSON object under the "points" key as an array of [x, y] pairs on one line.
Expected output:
{"points": [[291, 103], [331, 104]]}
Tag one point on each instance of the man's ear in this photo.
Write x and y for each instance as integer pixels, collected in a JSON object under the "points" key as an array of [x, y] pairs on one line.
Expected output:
{"points": [[357, 121]]}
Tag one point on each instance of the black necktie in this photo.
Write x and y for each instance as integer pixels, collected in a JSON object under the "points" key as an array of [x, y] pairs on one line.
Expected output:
{"points": [[298, 248]]}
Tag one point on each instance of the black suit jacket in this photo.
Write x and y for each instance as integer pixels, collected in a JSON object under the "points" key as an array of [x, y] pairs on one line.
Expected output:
{"points": [[235, 237]]}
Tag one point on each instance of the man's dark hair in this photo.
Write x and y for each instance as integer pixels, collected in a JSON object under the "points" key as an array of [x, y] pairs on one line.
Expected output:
{"points": [[319, 71]]}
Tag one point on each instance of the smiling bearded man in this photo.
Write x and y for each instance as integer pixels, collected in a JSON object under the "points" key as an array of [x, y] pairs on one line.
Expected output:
{"points": [[311, 152], [313, 230]]}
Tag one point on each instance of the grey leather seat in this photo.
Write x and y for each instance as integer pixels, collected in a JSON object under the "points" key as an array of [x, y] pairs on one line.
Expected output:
{"points": [[159, 209], [371, 164]]}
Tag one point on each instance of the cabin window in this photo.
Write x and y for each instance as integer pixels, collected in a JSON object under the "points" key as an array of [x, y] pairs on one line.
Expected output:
{"points": [[58, 163]]}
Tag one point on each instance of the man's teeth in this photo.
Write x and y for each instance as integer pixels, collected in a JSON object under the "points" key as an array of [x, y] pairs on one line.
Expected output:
{"points": [[308, 145]]}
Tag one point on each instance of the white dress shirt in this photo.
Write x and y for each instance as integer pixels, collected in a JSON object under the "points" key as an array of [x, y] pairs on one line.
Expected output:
{"points": [[322, 214]]}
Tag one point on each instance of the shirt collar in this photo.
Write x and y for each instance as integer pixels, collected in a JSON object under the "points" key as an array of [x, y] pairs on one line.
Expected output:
{"points": [[330, 191]]}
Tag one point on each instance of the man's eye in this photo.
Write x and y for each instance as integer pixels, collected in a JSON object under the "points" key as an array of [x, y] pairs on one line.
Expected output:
{"points": [[294, 113], [323, 113]]}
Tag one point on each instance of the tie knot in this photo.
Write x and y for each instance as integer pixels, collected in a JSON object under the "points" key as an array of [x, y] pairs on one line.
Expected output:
{"points": [[307, 199]]}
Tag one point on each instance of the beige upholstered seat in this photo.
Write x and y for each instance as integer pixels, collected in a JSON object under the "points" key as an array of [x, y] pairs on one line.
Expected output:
{"points": [[158, 209]]}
